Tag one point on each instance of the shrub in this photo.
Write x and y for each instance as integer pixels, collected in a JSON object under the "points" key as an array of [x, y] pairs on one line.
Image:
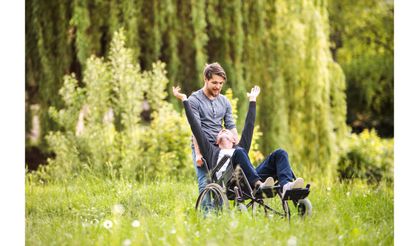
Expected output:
{"points": [[103, 131], [367, 157]]}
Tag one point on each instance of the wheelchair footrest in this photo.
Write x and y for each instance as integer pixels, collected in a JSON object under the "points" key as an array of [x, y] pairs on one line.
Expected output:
{"points": [[267, 192], [297, 194]]}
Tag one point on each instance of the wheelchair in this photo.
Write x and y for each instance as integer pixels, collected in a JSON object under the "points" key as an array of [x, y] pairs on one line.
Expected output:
{"points": [[227, 183]]}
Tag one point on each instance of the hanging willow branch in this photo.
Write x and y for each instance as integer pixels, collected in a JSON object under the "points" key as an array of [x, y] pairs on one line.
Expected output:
{"points": [[282, 46]]}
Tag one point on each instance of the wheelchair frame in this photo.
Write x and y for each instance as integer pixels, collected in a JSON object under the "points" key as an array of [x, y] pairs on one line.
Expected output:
{"points": [[233, 185]]}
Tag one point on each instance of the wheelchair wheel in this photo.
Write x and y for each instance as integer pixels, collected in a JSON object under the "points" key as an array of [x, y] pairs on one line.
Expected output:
{"points": [[304, 207], [212, 198]]}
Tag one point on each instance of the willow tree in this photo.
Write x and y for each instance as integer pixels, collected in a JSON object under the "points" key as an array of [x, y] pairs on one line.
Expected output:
{"points": [[313, 87], [226, 44], [281, 45], [48, 56], [302, 102], [365, 50]]}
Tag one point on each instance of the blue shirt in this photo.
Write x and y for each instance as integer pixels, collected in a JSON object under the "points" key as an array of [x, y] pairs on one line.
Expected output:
{"points": [[211, 114]]}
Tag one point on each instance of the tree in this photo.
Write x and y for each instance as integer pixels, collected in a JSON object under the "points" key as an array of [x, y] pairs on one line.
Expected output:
{"points": [[280, 45], [362, 42]]}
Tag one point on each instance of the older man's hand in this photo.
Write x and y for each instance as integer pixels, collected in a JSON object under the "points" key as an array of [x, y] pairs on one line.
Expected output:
{"points": [[176, 93], [253, 93]]}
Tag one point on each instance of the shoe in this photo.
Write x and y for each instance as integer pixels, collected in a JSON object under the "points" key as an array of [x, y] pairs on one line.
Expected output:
{"points": [[298, 183], [269, 182]]}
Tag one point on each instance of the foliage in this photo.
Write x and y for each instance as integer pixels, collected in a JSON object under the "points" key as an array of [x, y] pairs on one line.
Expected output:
{"points": [[281, 45], [367, 157], [362, 42], [75, 213], [101, 128], [303, 110], [48, 55]]}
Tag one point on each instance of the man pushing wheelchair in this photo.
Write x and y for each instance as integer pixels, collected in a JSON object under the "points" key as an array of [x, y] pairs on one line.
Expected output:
{"points": [[275, 167]]}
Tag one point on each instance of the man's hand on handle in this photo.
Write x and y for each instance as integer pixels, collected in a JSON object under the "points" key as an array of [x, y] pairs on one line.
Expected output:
{"points": [[199, 160]]}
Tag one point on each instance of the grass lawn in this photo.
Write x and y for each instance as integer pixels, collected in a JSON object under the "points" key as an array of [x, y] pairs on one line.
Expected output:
{"points": [[93, 211]]}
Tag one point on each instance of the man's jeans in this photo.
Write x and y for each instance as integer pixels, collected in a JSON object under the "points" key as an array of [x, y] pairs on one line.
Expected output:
{"points": [[201, 173]]}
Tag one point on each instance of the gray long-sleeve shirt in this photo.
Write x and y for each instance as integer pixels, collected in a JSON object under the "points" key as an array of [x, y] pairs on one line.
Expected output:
{"points": [[209, 151], [211, 114]]}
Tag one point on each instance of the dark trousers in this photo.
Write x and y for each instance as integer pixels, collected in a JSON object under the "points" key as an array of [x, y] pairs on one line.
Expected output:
{"points": [[276, 165], [240, 157]]}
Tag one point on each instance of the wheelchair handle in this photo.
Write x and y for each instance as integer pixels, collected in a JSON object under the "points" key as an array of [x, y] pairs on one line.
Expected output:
{"points": [[206, 167]]}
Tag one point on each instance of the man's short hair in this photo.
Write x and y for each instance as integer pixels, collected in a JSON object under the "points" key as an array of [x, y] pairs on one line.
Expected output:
{"points": [[214, 68]]}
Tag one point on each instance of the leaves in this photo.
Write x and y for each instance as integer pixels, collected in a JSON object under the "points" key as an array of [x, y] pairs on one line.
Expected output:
{"points": [[367, 157], [283, 46], [102, 130], [365, 50]]}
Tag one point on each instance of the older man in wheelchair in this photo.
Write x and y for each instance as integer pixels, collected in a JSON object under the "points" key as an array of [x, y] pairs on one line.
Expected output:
{"points": [[232, 175]]}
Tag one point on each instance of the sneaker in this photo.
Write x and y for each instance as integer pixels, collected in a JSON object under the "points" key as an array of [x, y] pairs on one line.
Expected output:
{"points": [[298, 183], [269, 182]]}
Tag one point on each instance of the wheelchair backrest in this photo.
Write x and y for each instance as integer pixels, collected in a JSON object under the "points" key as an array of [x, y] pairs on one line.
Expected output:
{"points": [[223, 171]]}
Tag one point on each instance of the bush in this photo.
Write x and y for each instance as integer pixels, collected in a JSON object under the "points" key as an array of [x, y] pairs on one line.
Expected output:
{"points": [[367, 157], [104, 130]]}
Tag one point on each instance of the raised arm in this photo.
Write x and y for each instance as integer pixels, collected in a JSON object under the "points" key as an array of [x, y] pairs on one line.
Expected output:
{"points": [[229, 121], [249, 124], [193, 102], [203, 143]]}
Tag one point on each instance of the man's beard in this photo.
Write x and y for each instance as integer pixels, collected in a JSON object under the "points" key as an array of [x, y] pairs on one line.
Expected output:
{"points": [[214, 93]]}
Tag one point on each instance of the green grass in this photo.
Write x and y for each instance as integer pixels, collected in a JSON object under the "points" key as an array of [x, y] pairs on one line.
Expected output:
{"points": [[74, 212]]}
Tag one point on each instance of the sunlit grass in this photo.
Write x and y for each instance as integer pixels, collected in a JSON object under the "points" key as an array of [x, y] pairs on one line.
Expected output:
{"points": [[92, 211]]}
